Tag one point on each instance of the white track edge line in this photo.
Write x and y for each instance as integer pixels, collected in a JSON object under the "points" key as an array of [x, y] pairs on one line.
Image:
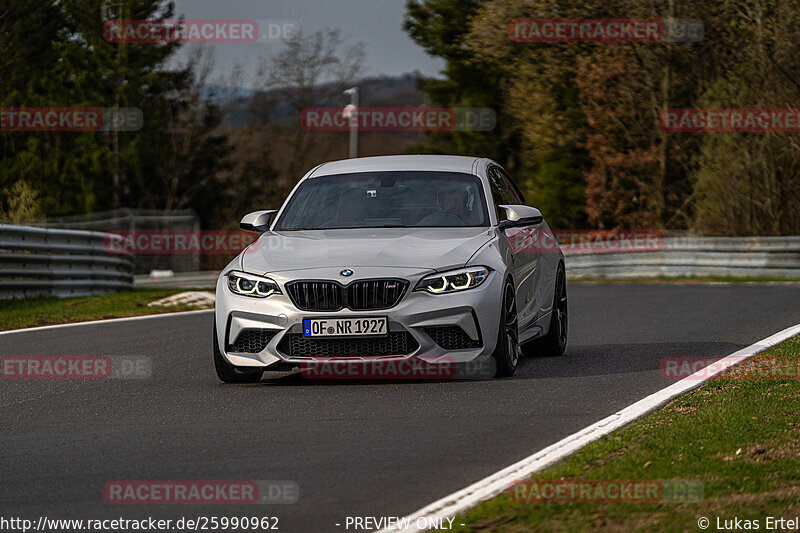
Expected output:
{"points": [[491, 486], [105, 321]]}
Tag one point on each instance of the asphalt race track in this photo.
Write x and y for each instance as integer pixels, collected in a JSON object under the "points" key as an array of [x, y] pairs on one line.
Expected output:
{"points": [[355, 449]]}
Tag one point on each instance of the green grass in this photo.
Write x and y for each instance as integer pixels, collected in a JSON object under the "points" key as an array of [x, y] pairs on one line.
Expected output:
{"points": [[740, 438], [15, 314]]}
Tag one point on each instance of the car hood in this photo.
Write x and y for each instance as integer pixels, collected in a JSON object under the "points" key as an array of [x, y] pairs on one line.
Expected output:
{"points": [[427, 248]]}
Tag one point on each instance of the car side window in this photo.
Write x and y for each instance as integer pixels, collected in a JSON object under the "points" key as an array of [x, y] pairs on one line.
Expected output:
{"points": [[501, 194], [512, 188]]}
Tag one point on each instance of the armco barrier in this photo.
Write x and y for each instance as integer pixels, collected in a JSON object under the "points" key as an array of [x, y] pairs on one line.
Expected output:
{"points": [[738, 257], [206, 279], [53, 262]]}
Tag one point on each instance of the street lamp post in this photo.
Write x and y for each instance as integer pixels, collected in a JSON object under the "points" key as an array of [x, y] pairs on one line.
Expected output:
{"points": [[351, 112]]}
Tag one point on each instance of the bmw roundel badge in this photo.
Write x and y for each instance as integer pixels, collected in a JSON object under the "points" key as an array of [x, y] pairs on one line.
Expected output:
{"points": [[346, 272]]}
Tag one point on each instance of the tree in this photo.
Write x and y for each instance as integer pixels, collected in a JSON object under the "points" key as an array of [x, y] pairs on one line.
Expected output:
{"points": [[442, 29], [538, 118], [749, 183], [66, 61], [585, 116], [311, 70]]}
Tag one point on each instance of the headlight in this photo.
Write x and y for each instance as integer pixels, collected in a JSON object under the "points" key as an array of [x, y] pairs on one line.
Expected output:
{"points": [[453, 281], [252, 285]]}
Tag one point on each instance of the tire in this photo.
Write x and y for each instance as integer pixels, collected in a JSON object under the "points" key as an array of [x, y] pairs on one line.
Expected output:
{"points": [[554, 343], [227, 373], [506, 352]]}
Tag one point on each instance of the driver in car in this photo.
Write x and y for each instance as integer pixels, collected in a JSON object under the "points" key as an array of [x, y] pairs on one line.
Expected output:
{"points": [[454, 202]]}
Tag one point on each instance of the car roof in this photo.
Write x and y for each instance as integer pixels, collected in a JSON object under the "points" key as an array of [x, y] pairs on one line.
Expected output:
{"points": [[441, 163]]}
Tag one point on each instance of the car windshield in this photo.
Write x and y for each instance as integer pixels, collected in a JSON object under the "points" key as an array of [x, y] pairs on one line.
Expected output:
{"points": [[386, 199]]}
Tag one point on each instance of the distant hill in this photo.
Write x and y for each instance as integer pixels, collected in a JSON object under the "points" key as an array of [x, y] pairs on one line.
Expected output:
{"points": [[382, 91]]}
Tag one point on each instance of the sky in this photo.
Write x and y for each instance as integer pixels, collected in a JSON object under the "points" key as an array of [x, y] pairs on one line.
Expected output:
{"points": [[376, 23]]}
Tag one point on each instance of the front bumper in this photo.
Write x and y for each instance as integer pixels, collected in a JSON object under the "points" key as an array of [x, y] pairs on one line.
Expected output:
{"points": [[475, 311]]}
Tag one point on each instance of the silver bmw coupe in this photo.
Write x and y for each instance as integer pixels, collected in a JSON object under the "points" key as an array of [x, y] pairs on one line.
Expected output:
{"points": [[396, 258]]}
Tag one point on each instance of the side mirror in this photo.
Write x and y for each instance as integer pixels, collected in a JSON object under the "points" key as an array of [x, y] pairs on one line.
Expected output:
{"points": [[520, 215], [257, 220]]}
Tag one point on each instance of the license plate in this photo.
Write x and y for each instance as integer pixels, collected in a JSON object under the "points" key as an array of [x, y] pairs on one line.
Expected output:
{"points": [[344, 327]]}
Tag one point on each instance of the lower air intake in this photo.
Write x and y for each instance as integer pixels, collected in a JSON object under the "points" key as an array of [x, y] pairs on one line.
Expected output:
{"points": [[395, 343], [451, 338], [252, 340]]}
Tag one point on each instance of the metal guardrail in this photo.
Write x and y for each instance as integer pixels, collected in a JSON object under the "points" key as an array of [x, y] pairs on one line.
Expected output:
{"points": [[52, 262], [128, 220], [738, 257], [206, 279]]}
